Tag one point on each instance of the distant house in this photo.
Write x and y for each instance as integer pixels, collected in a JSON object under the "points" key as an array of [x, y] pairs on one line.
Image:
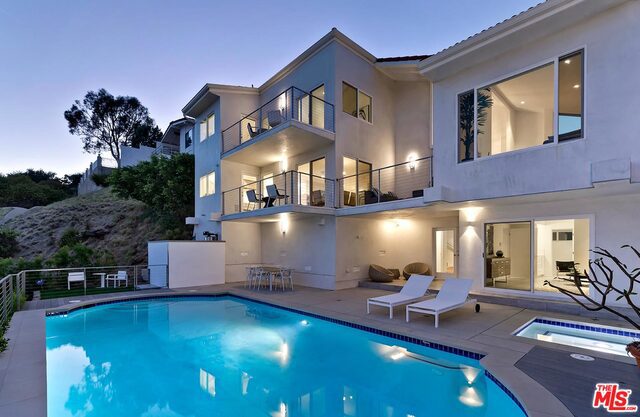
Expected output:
{"points": [[176, 139]]}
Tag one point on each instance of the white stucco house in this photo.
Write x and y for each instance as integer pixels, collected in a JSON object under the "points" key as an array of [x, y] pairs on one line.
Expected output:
{"points": [[504, 158]]}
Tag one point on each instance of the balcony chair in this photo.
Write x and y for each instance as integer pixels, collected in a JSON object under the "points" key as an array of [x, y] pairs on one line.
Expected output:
{"points": [[317, 198], [274, 118], [274, 194], [252, 199], [253, 133]]}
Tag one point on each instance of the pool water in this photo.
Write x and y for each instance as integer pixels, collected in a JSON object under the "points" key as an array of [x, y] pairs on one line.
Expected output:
{"points": [[226, 356], [604, 339]]}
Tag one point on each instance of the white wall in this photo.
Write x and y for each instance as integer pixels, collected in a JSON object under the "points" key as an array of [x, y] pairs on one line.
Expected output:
{"points": [[611, 219], [190, 263], [612, 56], [392, 243], [130, 156]]}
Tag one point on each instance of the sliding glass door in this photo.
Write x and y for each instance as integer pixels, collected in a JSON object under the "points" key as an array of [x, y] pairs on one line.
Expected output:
{"points": [[507, 255]]}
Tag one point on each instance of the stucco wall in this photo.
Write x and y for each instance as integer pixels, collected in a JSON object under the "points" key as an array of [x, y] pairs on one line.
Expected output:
{"points": [[612, 56]]}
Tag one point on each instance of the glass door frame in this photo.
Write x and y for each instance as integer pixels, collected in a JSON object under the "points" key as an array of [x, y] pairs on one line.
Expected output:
{"points": [[456, 252], [534, 240]]}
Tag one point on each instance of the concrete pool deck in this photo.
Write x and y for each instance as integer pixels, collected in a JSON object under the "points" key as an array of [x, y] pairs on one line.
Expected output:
{"points": [[512, 360]]}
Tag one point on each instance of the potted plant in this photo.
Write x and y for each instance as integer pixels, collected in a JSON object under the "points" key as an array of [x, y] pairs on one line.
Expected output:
{"points": [[602, 272], [466, 114]]}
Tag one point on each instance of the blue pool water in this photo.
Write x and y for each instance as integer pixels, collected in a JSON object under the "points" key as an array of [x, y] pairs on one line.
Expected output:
{"points": [[196, 357]]}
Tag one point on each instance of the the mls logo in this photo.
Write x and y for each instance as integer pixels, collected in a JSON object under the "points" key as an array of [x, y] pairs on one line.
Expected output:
{"points": [[613, 399]]}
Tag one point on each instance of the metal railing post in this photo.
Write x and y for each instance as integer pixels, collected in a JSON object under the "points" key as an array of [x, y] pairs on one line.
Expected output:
{"points": [[239, 200], [135, 277], [379, 185], [84, 281]]}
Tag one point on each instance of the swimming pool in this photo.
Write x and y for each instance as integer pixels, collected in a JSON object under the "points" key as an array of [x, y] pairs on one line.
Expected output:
{"points": [[226, 356], [598, 338]]}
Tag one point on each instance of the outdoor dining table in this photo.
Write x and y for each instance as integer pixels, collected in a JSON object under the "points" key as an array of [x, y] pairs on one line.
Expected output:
{"points": [[272, 270]]}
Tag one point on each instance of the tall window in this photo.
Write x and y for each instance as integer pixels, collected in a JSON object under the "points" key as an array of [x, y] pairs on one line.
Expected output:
{"points": [[208, 127], [188, 138], [445, 251], [356, 103], [508, 255], [518, 112], [208, 184], [356, 180]]}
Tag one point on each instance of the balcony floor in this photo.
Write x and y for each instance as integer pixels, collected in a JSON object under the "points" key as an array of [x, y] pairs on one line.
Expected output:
{"points": [[272, 214], [289, 138]]}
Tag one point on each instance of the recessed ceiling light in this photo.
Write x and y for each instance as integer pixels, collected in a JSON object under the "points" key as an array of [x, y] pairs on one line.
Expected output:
{"points": [[567, 61], [522, 102], [576, 86]]}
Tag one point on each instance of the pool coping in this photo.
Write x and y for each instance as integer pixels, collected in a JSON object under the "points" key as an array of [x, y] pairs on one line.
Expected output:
{"points": [[516, 384]]}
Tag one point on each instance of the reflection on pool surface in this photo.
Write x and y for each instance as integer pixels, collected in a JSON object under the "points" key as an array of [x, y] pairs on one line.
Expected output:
{"points": [[230, 357]]}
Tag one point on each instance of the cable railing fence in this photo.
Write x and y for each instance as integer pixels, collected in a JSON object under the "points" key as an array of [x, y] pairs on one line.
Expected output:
{"points": [[291, 104], [290, 187], [396, 182]]}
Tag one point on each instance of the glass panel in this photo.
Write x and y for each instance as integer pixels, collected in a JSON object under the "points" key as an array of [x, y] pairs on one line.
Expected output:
{"points": [[562, 250], [349, 185], [317, 107], [203, 130], [211, 183], [267, 179], [211, 123], [445, 251], [349, 99], [305, 183], [570, 96], [508, 255], [203, 186], [188, 138], [516, 113], [303, 109], [364, 106], [364, 181], [318, 182], [465, 126]]}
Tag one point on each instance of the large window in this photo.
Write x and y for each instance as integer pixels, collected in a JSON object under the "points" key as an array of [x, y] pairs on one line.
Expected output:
{"points": [[207, 127], [312, 182], [208, 184], [519, 112], [356, 103]]}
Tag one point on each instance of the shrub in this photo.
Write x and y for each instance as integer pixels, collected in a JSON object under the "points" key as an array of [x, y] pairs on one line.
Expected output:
{"points": [[4, 342], [8, 243], [70, 237], [101, 180], [165, 185]]}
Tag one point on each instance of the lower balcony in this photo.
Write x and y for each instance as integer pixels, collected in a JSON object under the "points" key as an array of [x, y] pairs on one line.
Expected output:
{"points": [[290, 191], [399, 186]]}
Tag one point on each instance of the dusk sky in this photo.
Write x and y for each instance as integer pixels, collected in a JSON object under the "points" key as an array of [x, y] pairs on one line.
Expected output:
{"points": [[163, 52]]}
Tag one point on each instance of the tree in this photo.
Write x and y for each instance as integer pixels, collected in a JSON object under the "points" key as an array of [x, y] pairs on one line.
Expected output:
{"points": [[105, 122], [8, 243], [467, 116], [166, 185]]}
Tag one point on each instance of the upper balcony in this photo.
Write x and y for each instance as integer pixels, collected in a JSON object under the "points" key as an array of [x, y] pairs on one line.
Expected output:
{"points": [[397, 186], [290, 191], [291, 123]]}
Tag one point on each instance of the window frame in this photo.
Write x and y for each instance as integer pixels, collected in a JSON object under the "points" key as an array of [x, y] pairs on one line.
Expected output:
{"points": [[205, 178], [207, 126], [358, 91], [188, 134], [521, 71]]}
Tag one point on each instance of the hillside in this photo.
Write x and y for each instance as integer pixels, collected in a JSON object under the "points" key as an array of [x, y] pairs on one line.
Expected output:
{"points": [[105, 222]]}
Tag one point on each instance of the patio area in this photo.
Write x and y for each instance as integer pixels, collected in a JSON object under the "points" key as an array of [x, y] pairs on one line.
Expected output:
{"points": [[531, 369]]}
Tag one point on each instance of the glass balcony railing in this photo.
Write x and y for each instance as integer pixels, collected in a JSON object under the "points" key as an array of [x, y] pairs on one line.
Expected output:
{"points": [[291, 104], [287, 188]]}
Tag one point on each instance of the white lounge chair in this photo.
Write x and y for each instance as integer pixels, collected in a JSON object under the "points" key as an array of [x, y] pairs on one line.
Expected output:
{"points": [[74, 277], [117, 278], [453, 294], [415, 288]]}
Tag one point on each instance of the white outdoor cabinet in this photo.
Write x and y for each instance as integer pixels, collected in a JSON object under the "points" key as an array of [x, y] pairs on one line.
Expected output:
{"points": [[186, 263]]}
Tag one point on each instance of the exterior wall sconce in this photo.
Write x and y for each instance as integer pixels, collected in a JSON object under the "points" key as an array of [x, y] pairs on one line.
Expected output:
{"points": [[284, 223], [412, 161]]}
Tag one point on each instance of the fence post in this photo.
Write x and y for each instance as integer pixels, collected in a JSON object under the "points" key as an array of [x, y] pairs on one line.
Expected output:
{"points": [[84, 282], [135, 277], [379, 185]]}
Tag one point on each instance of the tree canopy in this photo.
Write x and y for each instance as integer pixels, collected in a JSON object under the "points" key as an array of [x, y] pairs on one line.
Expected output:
{"points": [[36, 188], [166, 185], [105, 123]]}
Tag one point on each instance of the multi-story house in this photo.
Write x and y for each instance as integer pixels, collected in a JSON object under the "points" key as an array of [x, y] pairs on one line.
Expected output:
{"points": [[504, 158]]}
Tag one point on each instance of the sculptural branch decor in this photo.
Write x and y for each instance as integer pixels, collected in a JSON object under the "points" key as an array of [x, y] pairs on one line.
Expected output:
{"points": [[602, 272]]}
